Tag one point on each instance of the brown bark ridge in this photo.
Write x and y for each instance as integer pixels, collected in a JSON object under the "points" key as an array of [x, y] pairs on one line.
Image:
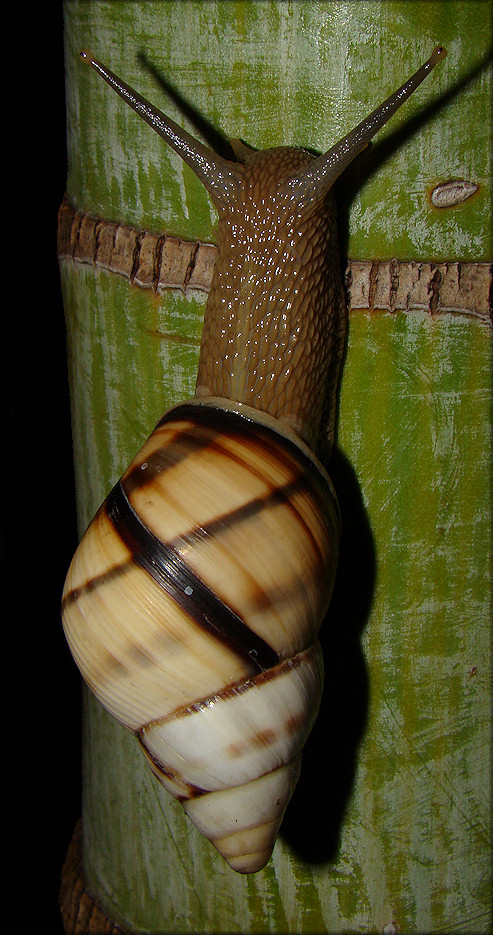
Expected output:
{"points": [[159, 262], [81, 914]]}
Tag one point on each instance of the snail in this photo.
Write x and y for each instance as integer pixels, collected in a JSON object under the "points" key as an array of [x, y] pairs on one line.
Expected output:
{"points": [[194, 599]]}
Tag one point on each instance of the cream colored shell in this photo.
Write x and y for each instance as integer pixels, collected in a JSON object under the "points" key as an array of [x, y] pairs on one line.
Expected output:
{"points": [[192, 606]]}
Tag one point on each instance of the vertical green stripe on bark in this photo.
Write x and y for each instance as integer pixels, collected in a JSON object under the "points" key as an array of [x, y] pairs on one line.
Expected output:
{"points": [[131, 356], [424, 767]]}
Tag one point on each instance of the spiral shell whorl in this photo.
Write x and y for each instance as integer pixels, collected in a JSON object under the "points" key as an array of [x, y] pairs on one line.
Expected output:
{"points": [[233, 759], [192, 606]]}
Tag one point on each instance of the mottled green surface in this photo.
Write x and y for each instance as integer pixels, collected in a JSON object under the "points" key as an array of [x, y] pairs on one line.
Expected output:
{"points": [[128, 352], [391, 819], [299, 73]]}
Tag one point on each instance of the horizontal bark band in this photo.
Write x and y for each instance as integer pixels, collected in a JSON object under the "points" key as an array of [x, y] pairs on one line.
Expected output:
{"points": [[160, 262]]}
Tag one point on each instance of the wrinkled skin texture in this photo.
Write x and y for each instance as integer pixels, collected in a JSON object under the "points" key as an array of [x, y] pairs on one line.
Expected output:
{"points": [[275, 322]]}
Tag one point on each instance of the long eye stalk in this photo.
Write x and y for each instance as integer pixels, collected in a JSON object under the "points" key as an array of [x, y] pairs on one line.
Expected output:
{"points": [[323, 172], [217, 174]]}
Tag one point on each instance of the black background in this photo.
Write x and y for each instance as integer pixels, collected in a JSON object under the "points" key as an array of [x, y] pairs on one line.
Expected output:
{"points": [[41, 763]]}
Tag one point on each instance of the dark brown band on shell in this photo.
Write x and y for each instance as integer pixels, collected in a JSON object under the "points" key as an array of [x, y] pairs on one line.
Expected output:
{"points": [[190, 791], [92, 584], [229, 691], [173, 575], [231, 421]]}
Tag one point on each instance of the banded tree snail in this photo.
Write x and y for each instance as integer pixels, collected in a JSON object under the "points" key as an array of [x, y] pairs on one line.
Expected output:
{"points": [[214, 661]]}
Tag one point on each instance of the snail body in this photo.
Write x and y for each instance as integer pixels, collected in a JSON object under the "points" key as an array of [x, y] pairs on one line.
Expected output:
{"points": [[193, 602]]}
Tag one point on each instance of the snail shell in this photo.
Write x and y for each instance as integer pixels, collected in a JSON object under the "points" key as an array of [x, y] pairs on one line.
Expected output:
{"points": [[193, 602], [211, 660]]}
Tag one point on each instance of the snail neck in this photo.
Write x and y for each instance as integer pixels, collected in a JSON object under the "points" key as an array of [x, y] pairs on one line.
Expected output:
{"points": [[275, 313]]}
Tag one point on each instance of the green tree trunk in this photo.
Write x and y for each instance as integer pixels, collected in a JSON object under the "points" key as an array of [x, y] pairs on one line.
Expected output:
{"points": [[390, 822]]}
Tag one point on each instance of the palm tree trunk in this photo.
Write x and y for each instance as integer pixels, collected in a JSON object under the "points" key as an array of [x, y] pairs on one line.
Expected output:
{"points": [[388, 828]]}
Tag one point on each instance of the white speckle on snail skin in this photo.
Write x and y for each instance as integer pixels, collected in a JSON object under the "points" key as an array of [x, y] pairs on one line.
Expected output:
{"points": [[452, 193]]}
